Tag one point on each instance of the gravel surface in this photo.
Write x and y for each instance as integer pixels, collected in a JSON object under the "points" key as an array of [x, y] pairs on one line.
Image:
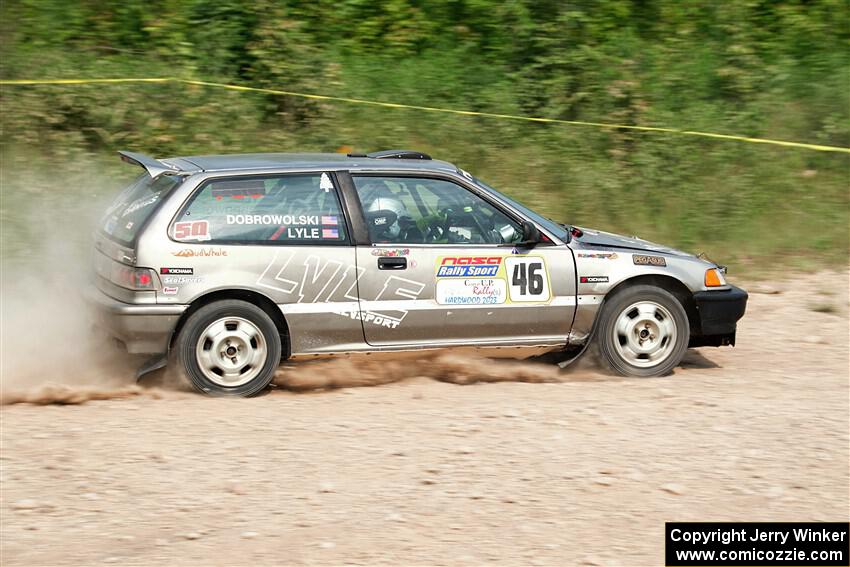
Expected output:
{"points": [[423, 472]]}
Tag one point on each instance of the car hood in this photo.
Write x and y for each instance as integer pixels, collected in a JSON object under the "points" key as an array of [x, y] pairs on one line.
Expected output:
{"points": [[593, 237]]}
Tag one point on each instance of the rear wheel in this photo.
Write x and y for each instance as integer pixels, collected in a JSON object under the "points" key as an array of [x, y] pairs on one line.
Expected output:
{"points": [[643, 331], [229, 348]]}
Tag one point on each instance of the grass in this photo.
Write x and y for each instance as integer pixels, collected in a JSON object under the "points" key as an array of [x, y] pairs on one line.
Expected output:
{"points": [[759, 209]]}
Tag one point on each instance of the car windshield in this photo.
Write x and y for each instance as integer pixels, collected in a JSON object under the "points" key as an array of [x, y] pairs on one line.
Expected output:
{"points": [[555, 228], [135, 204]]}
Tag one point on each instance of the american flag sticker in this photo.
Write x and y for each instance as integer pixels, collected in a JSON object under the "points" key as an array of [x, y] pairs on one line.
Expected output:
{"points": [[330, 233], [329, 220]]}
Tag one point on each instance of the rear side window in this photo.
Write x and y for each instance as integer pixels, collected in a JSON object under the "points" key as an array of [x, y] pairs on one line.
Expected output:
{"points": [[135, 205], [293, 209]]}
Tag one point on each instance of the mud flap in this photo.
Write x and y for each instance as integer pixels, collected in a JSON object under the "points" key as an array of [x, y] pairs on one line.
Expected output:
{"points": [[587, 344], [565, 363], [157, 362]]}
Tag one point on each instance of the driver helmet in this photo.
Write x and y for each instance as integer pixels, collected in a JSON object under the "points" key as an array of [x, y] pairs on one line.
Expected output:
{"points": [[388, 204]]}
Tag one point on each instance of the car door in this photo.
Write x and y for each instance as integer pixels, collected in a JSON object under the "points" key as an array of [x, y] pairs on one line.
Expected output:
{"points": [[441, 268]]}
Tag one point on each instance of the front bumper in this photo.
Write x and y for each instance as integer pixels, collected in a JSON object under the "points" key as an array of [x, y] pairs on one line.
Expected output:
{"points": [[144, 329], [719, 311]]}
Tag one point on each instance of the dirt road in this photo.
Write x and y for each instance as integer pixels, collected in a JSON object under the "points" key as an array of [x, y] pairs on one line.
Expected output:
{"points": [[422, 472]]}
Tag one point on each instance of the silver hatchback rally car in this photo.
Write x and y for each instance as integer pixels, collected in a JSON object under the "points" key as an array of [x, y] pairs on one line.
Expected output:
{"points": [[225, 265]]}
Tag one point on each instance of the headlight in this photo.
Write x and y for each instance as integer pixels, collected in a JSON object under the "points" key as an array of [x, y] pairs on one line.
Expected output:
{"points": [[714, 278]]}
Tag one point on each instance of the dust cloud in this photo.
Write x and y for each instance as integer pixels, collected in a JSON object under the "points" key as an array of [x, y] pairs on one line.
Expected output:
{"points": [[49, 350], [455, 368], [48, 346], [62, 394]]}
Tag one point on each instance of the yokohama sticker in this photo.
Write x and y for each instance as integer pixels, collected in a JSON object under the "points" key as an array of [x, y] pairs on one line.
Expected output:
{"points": [[641, 260], [593, 279], [192, 230], [177, 271]]}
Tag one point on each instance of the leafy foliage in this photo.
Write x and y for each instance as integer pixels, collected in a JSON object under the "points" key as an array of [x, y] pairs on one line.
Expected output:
{"points": [[768, 68]]}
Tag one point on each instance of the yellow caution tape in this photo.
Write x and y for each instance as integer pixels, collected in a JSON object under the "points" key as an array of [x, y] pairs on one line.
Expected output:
{"points": [[430, 109], [84, 81]]}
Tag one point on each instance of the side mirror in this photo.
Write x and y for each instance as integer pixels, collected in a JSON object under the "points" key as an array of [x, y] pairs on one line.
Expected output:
{"points": [[530, 235]]}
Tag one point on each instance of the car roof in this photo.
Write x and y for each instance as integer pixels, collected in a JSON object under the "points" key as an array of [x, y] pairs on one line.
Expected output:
{"points": [[329, 161]]}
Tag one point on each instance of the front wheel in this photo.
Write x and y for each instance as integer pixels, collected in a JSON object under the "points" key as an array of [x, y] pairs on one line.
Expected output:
{"points": [[643, 331], [229, 348]]}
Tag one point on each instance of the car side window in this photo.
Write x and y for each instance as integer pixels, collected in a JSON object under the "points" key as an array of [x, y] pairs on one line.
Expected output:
{"points": [[411, 210], [292, 209]]}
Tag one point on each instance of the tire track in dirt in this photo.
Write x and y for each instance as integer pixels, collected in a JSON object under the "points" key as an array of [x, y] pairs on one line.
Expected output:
{"points": [[332, 374]]}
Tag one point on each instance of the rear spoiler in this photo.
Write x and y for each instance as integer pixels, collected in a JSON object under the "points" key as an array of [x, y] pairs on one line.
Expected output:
{"points": [[154, 167]]}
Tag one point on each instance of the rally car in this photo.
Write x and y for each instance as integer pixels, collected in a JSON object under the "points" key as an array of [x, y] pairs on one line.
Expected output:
{"points": [[223, 266]]}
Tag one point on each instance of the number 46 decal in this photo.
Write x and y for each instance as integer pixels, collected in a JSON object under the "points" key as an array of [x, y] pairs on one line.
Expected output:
{"points": [[527, 279]]}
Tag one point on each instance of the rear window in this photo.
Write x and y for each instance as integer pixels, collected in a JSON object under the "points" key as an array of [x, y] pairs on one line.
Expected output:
{"points": [[135, 204]]}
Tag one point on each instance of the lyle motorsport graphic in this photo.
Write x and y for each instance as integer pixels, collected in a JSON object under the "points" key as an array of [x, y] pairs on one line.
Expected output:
{"points": [[480, 280]]}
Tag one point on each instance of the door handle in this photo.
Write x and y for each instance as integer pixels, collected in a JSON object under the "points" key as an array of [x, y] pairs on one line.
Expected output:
{"points": [[392, 263]]}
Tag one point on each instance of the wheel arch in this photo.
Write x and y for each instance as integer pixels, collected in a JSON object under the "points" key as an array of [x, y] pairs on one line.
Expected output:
{"points": [[249, 296], [668, 283]]}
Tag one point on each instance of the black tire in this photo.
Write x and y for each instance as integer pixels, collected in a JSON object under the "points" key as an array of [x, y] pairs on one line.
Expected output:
{"points": [[613, 344], [261, 331]]}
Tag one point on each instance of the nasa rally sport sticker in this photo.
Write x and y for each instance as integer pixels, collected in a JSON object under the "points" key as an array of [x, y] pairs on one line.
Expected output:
{"points": [[491, 280]]}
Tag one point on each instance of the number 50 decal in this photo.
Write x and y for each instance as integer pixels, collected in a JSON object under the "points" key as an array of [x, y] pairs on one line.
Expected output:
{"points": [[527, 279], [194, 230]]}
